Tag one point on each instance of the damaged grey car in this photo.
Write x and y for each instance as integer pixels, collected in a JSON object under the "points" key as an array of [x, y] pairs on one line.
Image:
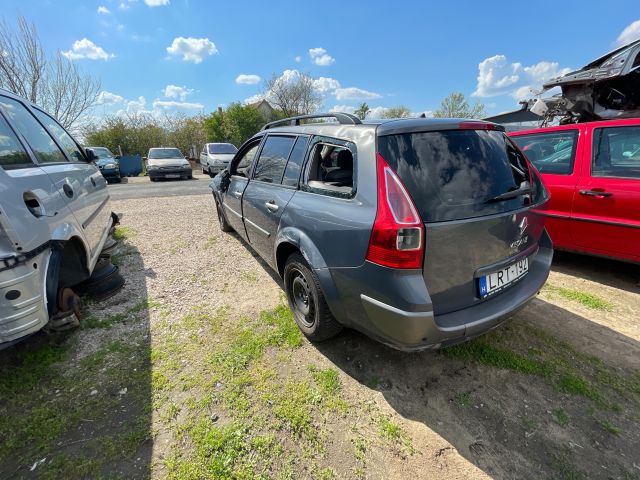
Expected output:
{"points": [[55, 220]]}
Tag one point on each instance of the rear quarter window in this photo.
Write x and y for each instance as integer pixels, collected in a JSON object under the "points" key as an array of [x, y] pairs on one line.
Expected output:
{"points": [[453, 174]]}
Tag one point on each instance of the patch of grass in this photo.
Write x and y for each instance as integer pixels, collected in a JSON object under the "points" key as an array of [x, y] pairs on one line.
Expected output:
{"points": [[483, 352], [389, 429], [291, 407], [95, 322], [609, 427], [571, 383], [561, 417], [529, 423], [27, 367], [564, 469], [462, 399], [68, 466], [588, 300], [251, 276], [123, 233], [328, 380]]}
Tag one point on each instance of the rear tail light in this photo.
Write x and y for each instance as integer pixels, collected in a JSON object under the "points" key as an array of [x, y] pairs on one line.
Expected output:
{"points": [[397, 238]]}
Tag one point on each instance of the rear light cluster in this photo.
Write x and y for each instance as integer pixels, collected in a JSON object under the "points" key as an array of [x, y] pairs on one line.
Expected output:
{"points": [[397, 238]]}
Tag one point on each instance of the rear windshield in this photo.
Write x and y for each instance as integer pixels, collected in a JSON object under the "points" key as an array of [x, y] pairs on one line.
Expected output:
{"points": [[165, 153], [455, 174], [222, 148]]}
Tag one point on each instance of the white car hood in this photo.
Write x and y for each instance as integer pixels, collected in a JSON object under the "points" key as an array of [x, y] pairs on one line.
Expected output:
{"points": [[225, 157]]}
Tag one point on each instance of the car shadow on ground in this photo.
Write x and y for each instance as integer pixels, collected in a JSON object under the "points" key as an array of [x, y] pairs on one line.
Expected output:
{"points": [[614, 273], [502, 402], [78, 404]]}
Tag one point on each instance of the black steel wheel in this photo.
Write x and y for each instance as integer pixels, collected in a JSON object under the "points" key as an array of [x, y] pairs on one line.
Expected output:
{"points": [[307, 302]]}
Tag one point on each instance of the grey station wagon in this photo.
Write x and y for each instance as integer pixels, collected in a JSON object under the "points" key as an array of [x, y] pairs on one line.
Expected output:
{"points": [[418, 232]]}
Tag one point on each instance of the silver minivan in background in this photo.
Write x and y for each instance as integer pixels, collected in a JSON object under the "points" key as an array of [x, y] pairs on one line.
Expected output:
{"points": [[215, 157], [54, 216]]}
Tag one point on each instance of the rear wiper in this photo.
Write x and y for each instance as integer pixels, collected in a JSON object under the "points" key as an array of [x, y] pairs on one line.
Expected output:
{"points": [[525, 189]]}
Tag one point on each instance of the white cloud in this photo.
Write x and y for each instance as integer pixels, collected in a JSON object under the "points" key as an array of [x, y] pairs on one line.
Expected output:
{"points": [[497, 76], [108, 98], [104, 10], [175, 91], [156, 3], [171, 104], [253, 99], [298, 59], [192, 49], [353, 93], [325, 84], [342, 108], [243, 79], [85, 48], [135, 106], [376, 112], [630, 34], [321, 57]]}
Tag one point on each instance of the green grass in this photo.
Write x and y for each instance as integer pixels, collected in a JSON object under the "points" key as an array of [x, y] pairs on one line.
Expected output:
{"points": [[122, 233], [462, 399], [561, 417], [609, 427], [328, 380], [588, 300]]}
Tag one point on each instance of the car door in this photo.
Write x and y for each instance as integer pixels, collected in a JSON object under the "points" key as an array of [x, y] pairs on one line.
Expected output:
{"points": [[274, 181], [203, 156], [606, 205], [557, 155], [93, 210], [239, 171], [29, 208]]}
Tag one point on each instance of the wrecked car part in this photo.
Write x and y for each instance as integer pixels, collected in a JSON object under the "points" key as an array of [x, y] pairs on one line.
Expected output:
{"points": [[605, 89], [105, 281]]}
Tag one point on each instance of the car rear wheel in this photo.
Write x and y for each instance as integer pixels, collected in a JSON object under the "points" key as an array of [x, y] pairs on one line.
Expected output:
{"points": [[307, 302], [224, 225]]}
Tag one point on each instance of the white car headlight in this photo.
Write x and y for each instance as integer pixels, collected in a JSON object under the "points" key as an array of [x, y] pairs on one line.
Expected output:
{"points": [[110, 165], [152, 167]]}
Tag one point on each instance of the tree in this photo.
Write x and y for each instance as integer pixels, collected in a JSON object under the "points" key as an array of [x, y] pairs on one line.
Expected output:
{"points": [[54, 83], [397, 112], [362, 111], [456, 106], [293, 94], [234, 125]]}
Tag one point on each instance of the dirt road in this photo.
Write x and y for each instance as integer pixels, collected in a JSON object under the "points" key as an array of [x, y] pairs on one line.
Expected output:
{"points": [[196, 370]]}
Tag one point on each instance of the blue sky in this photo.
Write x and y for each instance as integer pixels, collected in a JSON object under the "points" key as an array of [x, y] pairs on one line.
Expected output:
{"points": [[191, 56]]}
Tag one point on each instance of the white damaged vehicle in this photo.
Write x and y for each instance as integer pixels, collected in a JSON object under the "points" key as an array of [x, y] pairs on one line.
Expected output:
{"points": [[54, 218]]}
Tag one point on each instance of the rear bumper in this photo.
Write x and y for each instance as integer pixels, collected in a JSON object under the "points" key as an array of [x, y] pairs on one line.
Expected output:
{"points": [[27, 313], [386, 308], [110, 174]]}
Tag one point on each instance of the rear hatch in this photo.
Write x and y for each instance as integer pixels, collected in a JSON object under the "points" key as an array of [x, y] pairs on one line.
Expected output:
{"points": [[474, 191]]}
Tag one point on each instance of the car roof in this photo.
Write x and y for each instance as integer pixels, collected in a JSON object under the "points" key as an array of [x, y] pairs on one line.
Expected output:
{"points": [[380, 127], [623, 122]]}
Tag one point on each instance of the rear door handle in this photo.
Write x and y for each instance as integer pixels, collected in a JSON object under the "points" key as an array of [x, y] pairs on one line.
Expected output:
{"points": [[595, 193], [271, 206], [237, 193]]}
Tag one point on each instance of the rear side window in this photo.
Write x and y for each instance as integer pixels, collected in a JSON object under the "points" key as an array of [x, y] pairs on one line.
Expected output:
{"points": [[552, 152], [12, 155], [455, 174], [43, 146], [330, 169], [273, 159], [616, 152], [64, 139], [292, 172]]}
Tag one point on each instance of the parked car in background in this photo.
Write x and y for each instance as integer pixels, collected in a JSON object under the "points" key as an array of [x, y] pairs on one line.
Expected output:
{"points": [[167, 163], [54, 217], [216, 156], [418, 232], [593, 173], [107, 163]]}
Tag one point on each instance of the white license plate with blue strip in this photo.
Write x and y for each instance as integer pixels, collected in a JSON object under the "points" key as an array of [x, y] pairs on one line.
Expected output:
{"points": [[496, 281]]}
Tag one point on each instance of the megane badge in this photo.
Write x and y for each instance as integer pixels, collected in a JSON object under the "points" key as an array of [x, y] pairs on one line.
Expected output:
{"points": [[523, 225]]}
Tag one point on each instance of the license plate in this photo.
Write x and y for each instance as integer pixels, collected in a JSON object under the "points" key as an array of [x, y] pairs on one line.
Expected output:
{"points": [[496, 281], [172, 175]]}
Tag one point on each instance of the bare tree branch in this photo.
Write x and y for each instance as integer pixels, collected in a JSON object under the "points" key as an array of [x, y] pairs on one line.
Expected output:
{"points": [[293, 95]]}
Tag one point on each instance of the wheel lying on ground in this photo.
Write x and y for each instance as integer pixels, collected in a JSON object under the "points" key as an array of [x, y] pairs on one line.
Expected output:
{"points": [[224, 225], [307, 302]]}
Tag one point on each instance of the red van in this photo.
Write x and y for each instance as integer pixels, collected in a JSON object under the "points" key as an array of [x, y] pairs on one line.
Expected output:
{"points": [[593, 173]]}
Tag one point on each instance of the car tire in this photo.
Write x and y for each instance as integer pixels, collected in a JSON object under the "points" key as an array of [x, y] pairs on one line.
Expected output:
{"points": [[307, 301], [152, 179], [211, 174], [224, 225], [204, 172]]}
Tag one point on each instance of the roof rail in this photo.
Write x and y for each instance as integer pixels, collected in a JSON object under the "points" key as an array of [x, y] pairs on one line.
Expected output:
{"points": [[342, 118]]}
